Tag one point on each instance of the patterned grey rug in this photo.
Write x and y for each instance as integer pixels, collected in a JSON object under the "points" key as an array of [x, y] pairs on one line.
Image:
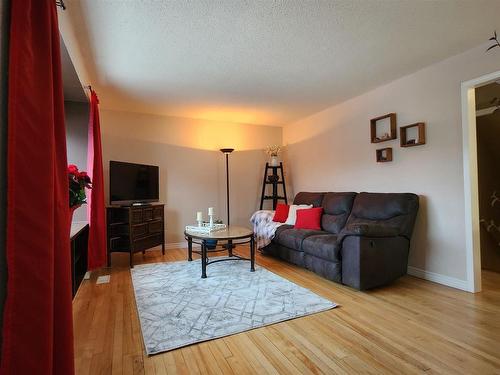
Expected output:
{"points": [[178, 308]]}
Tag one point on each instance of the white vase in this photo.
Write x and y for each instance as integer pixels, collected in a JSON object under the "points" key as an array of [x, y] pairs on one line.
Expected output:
{"points": [[274, 161]]}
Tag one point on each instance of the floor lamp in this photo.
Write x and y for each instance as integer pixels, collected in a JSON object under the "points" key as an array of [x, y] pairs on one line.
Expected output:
{"points": [[227, 151]]}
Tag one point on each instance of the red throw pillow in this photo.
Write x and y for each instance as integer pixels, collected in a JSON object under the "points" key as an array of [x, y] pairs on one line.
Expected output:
{"points": [[281, 213], [309, 218]]}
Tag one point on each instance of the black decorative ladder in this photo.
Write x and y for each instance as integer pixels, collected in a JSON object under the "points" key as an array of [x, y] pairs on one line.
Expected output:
{"points": [[273, 179]]}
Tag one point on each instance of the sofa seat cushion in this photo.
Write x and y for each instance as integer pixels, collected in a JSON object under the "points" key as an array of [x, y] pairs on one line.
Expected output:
{"points": [[324, 246], [292, 238], [282, 228]]}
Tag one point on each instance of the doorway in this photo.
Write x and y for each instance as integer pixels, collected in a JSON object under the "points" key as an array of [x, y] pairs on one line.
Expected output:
{"points": [[479, 174], [488, 169]]}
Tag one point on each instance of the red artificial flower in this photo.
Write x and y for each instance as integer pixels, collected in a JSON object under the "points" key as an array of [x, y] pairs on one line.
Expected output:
{"points": [[81, 176], [73, 169], [78, 181]]}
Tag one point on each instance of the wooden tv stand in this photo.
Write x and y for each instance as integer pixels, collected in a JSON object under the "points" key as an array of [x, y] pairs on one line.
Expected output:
{"points": [[131, 229]]}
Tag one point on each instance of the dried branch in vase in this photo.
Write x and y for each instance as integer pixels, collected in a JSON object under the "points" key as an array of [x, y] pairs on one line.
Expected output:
{"points": [[273, 151], [495, 41]]}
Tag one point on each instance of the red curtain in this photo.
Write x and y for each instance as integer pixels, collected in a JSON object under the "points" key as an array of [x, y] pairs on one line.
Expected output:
{"points": [[37, 326], [95, 200]]}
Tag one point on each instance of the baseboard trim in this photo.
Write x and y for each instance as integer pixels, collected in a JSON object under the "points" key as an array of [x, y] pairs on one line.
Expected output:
{"points": [[438, 278]]}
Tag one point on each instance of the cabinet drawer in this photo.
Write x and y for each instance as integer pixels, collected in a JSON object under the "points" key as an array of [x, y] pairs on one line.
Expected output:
{"points": [[158, 213], [136, 216], [119, 244], [147, 242], [139, 230], [147, 214], [156, 227]]}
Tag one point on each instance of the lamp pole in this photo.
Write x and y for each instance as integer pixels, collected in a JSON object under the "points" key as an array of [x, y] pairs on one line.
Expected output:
{"points": [[226, 152]]}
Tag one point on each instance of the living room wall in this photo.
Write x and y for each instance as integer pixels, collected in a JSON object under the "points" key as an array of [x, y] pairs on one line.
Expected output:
{"points": [[77, 120], [331, 151], [192, 169]]}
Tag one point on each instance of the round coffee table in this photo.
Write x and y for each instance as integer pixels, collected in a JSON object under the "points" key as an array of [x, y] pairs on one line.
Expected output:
{"points": [[229, 237]]}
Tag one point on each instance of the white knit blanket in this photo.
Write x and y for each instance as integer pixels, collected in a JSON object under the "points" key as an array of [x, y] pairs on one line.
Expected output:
{"points": [[264, 227]]}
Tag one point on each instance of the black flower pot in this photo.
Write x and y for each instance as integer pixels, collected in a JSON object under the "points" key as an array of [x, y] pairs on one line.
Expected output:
{"points": [[273, 178], [210, 244]]}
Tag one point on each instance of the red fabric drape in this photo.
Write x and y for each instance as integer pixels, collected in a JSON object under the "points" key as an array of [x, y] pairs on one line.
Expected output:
{"points": [[96, 208], [37, 326]]}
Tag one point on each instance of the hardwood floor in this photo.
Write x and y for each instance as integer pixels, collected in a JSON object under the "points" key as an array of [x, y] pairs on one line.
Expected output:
{"points": [[412, 326]]}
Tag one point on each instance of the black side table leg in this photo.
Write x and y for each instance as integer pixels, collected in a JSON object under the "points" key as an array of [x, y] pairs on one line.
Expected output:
{"points": [[230, 247], [203, 260], [190, 249], [252, 253]]}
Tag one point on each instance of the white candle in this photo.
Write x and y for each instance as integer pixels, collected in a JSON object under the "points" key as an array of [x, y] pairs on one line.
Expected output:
{"points": [[199, 216], [210, 211]]}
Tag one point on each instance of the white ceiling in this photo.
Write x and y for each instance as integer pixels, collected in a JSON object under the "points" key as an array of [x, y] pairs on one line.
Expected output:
{"points": [[264, 62]]}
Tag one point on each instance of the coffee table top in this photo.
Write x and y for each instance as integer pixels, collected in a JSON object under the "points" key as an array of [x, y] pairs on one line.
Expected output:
{"points": [[230, 233]]}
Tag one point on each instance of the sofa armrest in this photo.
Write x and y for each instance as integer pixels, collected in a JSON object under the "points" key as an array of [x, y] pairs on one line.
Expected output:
{"points": [[370, 230], [369, 262], [262, 216]]}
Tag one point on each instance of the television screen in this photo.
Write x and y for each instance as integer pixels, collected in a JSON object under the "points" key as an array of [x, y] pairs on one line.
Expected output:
{"points": [[133, 183]]}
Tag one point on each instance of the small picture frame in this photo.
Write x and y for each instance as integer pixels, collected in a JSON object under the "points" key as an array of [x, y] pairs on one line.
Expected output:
{"points": [[384, 155], [383, 128], [412, 135]]}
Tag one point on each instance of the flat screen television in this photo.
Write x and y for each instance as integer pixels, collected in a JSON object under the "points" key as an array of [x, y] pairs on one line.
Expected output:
{"points": [[131, 183]]}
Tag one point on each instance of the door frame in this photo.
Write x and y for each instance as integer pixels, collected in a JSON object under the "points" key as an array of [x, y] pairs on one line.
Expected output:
{"points": [[471, 185]]}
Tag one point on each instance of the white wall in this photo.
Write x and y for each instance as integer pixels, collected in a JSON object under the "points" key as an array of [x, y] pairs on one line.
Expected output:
{"points": [[192, 169], [331, 151], [77, 122]]}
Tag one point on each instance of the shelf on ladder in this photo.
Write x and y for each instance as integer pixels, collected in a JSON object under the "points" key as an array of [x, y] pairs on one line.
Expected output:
{"points": [[276, 171]]}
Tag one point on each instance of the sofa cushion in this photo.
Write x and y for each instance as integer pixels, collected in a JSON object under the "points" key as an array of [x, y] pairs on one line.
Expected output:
{"points": [[395, 210], [309, 219], [293, 238], [281, 213], [309, 198], [281, 228], [292, 212], [336, 210], [324, 246]]}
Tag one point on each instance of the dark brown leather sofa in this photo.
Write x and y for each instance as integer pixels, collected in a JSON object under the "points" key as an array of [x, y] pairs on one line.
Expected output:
{"points": [[364, 241]]}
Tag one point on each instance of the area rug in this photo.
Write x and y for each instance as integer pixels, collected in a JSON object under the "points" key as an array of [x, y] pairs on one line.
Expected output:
{"points": [[178, 308]]}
